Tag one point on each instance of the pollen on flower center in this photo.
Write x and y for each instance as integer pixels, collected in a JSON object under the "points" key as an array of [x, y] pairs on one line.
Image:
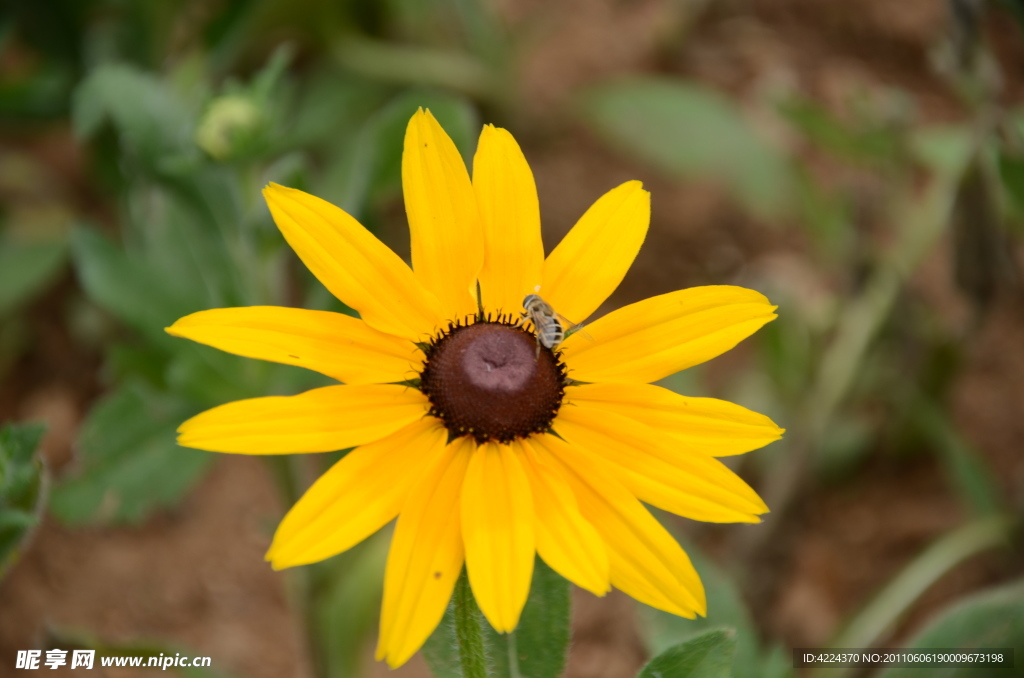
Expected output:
{"points": [[486, 380]]}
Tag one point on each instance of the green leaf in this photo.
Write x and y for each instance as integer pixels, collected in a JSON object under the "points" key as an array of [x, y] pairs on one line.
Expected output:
{"points": [[884, 610], [22, 481], [331, 107], [130, 464], [25, 268], [267, 79], [538, 646], [184, 235], [944, 149], [18, 467], [865, 139], [691, 131], [390, 61], [123, 285], [827, 215], [151, 122], [964, 465], [708, 655], [777, 663], [726, 609], [991, 619], [1011, 170]]}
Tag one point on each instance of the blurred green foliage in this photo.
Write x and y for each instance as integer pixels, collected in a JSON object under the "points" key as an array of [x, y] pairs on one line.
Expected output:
{"points": [[25, 268], [22, 488], [990, 619], [130, 465], [195, 235], [693, 132], [186, 111], [179, 146]]}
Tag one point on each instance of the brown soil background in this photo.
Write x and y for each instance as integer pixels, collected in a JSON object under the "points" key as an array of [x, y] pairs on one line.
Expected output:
{"points": [[195, 576]]}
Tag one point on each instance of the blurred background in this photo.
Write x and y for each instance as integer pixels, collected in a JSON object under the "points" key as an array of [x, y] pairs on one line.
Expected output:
{"points": [[862, 164]]}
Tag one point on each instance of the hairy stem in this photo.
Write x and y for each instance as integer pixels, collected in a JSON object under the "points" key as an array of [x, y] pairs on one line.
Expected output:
{"points": [[468, 631]]}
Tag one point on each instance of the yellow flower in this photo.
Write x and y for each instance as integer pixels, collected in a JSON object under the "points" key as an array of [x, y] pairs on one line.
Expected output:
{"points": [[486, 451]]}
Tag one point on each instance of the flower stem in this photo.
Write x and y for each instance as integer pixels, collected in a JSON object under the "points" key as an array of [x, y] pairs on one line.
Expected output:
{"points": [[513, 657], [468, 631]]}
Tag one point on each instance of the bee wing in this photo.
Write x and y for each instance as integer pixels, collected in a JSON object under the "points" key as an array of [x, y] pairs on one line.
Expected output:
{"points": [[572, 328]]}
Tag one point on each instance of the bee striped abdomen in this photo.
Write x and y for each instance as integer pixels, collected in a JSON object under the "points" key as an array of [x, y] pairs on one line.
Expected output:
{"points": [[546, 324]]}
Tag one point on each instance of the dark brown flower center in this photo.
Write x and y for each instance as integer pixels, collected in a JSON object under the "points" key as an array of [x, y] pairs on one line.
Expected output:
{"points": [[486, 380]]}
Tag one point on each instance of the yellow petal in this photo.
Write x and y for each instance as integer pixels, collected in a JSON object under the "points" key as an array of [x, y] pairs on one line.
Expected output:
{"points": [[353, 264], [321, 420], [447, 245], [356, 497], [715, 427], [510, 215], [497, 530], [565, 539], [426, 556], [659, 336], [334, 344], [658, 471], [646, 562], [592, 259]]}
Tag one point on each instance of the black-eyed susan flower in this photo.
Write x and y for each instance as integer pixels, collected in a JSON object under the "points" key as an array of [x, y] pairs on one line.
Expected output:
{"points": [[486, 450]]}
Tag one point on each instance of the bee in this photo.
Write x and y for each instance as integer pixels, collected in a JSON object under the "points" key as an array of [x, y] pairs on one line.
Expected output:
{"points": [[551, 326]]}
